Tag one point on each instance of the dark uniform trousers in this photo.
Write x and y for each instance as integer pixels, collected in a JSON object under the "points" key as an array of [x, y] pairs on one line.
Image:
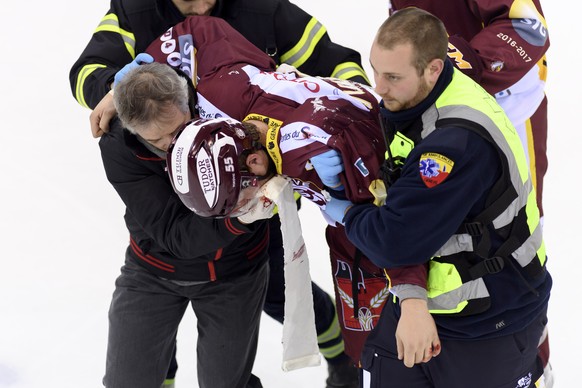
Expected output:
{"points": [[504, 362]]}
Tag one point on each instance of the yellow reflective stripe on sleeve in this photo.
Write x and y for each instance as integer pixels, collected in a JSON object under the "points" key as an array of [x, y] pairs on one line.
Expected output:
{"points": [[110, 23], [332, 351], [332, 332], [81, 77], [348, 70], [304, 48]]}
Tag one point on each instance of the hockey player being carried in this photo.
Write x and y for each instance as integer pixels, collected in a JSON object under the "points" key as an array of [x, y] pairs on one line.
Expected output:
{"points": [[294, 125]]}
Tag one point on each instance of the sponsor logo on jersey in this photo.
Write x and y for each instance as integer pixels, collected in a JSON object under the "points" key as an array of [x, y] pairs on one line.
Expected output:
{"points": [[529, 24], [289, 136], [359, 164], [301, 134], [309, 191], [497, 66], [457, 56], [180, 52], [207, 110], [434, 168]]}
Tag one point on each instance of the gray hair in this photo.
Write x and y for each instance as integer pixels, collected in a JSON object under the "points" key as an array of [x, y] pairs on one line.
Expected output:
{"points": [[145, 94]]}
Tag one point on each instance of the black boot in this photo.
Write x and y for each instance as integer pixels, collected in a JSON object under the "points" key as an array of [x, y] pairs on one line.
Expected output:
{"points": [[342, 375]]}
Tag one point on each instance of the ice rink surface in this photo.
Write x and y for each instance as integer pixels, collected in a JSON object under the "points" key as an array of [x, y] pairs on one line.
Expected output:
{"points": [[61, 223]]}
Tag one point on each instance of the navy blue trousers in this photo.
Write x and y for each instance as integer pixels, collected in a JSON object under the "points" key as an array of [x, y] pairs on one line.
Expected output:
{"points": [[509, 361]]}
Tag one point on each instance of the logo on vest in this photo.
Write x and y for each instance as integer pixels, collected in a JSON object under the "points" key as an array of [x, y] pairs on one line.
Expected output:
{"points": [[434, 168]]}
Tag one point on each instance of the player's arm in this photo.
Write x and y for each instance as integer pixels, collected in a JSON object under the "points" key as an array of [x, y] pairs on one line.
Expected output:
{"points": [[513, 39]]}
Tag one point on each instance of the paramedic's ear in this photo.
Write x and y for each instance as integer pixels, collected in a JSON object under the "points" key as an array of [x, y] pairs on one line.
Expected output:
{"points": [[433, 70]]}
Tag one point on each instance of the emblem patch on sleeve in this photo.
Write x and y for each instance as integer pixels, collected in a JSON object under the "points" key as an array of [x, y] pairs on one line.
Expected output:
{"points": [[434, 168]]}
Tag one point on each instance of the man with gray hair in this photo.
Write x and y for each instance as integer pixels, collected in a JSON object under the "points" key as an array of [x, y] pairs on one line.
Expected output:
{"points": [[176, 258]]}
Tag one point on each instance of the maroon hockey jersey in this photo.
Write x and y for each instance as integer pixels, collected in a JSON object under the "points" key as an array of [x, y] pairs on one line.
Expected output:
{"points": [[495, 42], [306, 116]]}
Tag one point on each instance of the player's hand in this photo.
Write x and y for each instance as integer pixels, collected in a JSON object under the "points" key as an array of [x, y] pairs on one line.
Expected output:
{"points": [[140, 59], [417, 338], [102, 115], [328, 166]]}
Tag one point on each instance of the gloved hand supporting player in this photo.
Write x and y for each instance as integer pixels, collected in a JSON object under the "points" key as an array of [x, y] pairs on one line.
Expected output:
{"points": [[328, 166], [336, 209], [140, 59]]}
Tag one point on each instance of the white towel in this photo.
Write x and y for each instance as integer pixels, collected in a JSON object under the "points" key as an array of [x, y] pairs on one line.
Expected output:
{"points": [[300, 347]]}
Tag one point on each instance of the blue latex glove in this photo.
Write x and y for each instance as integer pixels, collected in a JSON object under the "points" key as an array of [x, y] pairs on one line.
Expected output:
{"points": [[328, 166], [140, 59], [336, 209]]}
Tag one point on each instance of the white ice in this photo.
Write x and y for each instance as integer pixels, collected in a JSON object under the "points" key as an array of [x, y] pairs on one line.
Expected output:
{"points": [[61, 223]]}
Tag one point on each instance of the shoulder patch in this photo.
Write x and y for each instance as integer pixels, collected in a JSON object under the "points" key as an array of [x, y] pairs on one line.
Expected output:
{"points": [[434, 168]]}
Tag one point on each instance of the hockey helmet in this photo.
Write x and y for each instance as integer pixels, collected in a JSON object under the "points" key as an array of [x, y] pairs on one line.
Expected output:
{"points": [[207, 170]]}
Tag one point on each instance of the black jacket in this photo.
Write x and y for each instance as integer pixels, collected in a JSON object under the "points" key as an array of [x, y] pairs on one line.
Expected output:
{"points": [[275, 26], [166, 237]]}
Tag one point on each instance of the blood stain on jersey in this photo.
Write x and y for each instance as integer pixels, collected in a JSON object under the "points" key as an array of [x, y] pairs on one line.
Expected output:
{"points": [[434, 168]]}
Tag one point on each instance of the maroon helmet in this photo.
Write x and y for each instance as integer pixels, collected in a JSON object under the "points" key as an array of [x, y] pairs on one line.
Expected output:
{"points": [[205, 170]]}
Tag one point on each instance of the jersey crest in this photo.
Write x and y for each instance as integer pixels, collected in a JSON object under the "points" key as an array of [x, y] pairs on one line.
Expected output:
{"points": [[372, 295]]}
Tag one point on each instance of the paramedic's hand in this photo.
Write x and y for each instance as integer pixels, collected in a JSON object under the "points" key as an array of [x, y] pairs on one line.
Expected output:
{"points": [[417, 339], [328, 166], [140, 59], [336, 209], [264, 209], [102, 115]]}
